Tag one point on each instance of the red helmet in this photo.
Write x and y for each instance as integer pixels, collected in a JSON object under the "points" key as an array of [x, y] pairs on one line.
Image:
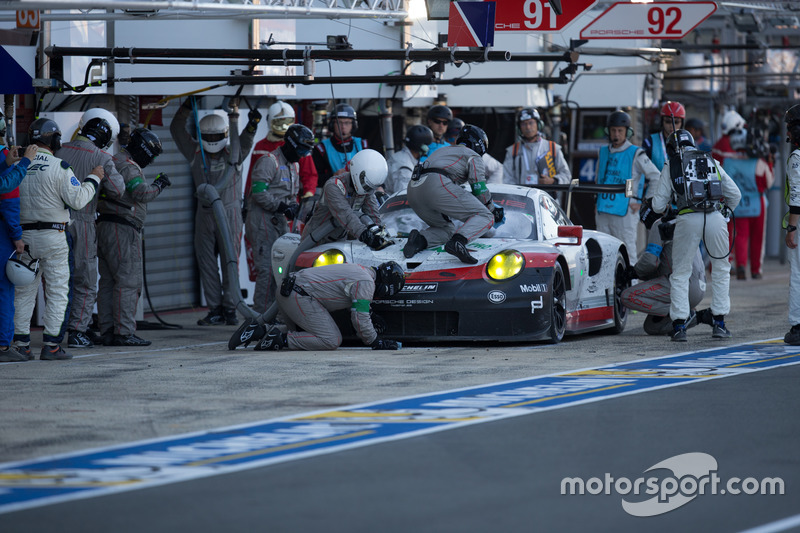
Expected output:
{"points": [[673, 109]]}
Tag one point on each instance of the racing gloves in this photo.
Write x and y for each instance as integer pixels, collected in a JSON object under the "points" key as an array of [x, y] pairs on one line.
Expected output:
{"points": [[372, 238], [162, 182], [288, 210], [647, 214], [253, 118], [385, 344]]}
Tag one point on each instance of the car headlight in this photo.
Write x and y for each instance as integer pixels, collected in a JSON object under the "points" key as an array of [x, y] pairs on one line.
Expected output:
{"points": [[329, 257], [505, 265]]}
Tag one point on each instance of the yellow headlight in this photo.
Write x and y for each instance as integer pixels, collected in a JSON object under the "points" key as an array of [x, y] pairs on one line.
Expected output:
{"points": [[505, 265], [329, 257]]}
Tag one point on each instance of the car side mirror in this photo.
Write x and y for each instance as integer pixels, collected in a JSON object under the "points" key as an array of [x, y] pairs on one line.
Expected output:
{"points": [[575, 232]]}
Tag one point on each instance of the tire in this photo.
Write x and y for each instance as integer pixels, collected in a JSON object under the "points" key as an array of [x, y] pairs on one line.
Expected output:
{"points": [[558, 305], [620, 284]]}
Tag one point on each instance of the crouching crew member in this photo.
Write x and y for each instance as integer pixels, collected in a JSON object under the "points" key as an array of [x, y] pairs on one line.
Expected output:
{"points": [[436, 196], [652, 294], [348, 199], [307, 298]]}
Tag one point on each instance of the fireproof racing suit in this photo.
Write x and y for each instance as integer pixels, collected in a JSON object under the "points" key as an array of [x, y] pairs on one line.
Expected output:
{"points": [[83, 156], [652, 294], [46, 195], [691, 228], [351, 213], [436, 195], [320, 290], [792, 196], [213, 169], [275, 181], [119, 247]]}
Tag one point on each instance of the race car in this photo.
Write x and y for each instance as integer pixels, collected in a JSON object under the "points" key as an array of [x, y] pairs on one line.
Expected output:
{"points": [[538, 276]]}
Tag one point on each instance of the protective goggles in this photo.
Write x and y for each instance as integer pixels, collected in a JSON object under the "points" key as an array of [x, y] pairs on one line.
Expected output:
{"points": [[281, 124], [213, 137]]}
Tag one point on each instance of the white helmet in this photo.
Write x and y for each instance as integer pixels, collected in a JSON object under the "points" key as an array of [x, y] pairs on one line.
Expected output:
{"points": [[19, 272], [368, 170], [213, 133], [738, 139], [281, 116], [732, 121], [99, 112]]}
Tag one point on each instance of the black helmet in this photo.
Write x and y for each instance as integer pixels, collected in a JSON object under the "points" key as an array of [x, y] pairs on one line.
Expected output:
{"points": [[618, 118], [792, 115], [474, 138], [45, 131], [419, 138], [453, 129], [389, 279], [792, 119], [298, 142], [144, 146], [440, 111], [343, 111], [98, 130], [695, 123], [679, 139]]}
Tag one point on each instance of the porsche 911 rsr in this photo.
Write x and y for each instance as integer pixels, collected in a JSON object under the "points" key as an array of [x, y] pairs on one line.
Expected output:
{"points": [[538, 277]]}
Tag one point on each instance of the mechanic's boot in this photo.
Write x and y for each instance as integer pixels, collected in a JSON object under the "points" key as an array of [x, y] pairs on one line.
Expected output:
{"points": [[248, 332], [274, 340], [741, 273], [720, 331], [704, 316], [213, 318], [416, 243], [106, 338], [657, 325], [678, 331], [24, 349], [78, 339], [457, 246], [129, 340], [53, 353], [230, 316], [9, 354], [793, 337]]}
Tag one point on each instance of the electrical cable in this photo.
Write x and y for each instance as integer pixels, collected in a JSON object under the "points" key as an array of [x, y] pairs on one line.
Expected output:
{"points": [[142, 324]]}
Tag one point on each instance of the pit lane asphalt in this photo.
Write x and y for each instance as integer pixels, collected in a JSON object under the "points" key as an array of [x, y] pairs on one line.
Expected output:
{"points": [[496, 476]]}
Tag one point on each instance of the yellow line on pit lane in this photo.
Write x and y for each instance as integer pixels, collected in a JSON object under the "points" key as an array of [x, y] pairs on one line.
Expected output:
{"points": [[57, 481], [567, 395], [383, 417], [764, 360], [634, 373], [278, 448]]}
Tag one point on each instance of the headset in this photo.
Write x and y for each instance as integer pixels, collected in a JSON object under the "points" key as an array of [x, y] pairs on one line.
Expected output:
{"points": [[529, 113], [619, 118]]}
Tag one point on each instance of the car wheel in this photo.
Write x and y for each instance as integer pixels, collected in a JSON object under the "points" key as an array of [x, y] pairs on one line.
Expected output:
{"points": [[558, 307], [621, 283]]}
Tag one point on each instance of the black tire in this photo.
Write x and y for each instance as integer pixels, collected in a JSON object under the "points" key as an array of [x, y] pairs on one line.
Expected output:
{"points": [[558, 305], [620, 284]]}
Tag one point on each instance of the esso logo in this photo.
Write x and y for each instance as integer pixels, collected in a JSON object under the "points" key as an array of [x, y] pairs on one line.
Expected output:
{"points": [[497, 297]]}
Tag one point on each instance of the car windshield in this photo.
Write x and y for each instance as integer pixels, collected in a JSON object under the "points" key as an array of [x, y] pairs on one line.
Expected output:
{"points": [[520, 213]]}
